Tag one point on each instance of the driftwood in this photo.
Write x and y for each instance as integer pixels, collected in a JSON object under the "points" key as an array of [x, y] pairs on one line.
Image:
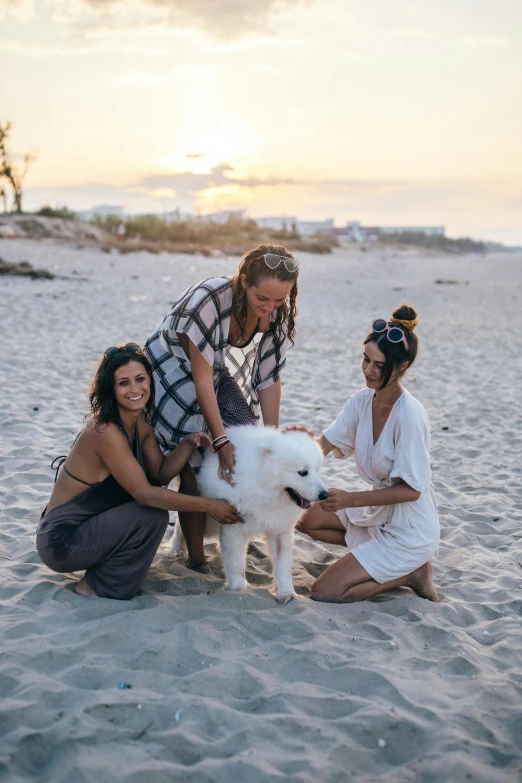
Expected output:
{"points": [[24, 269]]}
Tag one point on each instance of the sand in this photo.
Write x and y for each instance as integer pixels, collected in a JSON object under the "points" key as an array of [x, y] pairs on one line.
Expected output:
{"points": [[232, 687]]}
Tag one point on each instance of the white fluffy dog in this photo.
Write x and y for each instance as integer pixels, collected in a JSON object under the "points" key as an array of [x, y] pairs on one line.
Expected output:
{"points": [[276, 478]]}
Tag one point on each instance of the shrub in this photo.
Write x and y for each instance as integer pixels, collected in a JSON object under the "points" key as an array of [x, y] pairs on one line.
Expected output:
{"points": [[60, 212]]}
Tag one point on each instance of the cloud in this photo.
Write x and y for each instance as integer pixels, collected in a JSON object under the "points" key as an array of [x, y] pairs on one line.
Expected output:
{"points": [[224, 19], [477, 42], [21, 11], [190, 183], [136, 79], [422, 35], [38, 51], [469, 42]]}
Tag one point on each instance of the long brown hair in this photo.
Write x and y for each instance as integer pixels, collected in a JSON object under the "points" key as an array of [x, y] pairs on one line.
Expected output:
{"points": [[396, 353], [102, 398], [254, 268]]}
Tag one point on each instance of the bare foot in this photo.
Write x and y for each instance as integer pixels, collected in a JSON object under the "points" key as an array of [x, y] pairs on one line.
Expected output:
{"points": [[83, 588], [198, 564], [421, 582]]}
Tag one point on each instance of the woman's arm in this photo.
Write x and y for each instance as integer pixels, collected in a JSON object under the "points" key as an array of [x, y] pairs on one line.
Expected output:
{"points": [[388, 496], [324, 444], [113, 450], [162, 469], [203, 377], [270, 399]]}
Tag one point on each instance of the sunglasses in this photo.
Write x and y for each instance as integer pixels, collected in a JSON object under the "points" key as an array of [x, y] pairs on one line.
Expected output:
{"points": [[272, 261], [394, 333], [113, 351]]}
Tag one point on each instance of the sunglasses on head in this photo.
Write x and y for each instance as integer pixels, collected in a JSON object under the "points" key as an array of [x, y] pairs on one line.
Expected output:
{"points": [[394, 333], [272, 261], [114, 350]]}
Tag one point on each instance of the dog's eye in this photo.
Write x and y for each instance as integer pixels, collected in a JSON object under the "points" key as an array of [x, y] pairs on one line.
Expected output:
{"points": [[303, 472]]}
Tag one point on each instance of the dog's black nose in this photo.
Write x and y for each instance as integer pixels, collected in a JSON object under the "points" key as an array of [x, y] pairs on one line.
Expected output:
{"points": [[323, 495]]}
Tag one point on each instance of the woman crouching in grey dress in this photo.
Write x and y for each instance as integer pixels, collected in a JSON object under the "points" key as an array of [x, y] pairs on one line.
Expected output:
{"points": [[108, 510]]}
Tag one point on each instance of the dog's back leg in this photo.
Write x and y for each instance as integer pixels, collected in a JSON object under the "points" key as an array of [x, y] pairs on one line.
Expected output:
{"points": [[281, 552], [177, 542], [233, 554]]}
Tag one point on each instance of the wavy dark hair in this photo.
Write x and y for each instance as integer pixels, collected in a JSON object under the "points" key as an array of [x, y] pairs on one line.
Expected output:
{"points": [[254, 268], [395, 353], [101, 396]]}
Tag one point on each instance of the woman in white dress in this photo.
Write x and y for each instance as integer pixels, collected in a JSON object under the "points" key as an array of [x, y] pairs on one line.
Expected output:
{"points": [[392, 529]]}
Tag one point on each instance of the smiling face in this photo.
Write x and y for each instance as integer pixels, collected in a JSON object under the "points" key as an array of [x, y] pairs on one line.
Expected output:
{"points": [[373, 362], [266, 295], [131, 386]]}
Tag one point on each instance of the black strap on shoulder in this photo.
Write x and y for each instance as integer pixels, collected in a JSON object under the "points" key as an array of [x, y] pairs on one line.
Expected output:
{"points": [[57, 467]]}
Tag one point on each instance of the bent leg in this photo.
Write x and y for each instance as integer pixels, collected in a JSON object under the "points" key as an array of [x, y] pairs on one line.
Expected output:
{"points": [[192, 522], [347, 581], [127, 537], [322, 526]]}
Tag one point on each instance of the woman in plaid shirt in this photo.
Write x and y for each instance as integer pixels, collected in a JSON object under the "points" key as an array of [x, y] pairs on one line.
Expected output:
{"points": [[217, 358]]}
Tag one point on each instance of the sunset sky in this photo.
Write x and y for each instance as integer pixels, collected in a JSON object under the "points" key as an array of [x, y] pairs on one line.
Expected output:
{"points": [[384, 111]]}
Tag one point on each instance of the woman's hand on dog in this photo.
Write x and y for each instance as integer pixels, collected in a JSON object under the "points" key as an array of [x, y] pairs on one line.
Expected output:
{"points": [[298, 428], [199, 440], [223, 512], [227, 463]]}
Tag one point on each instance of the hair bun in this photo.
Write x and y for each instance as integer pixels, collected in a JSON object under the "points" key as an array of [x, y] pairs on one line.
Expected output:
{"points": [[406, 316]]}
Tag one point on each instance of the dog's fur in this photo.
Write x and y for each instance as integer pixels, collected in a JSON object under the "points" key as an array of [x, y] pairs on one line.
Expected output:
{"points": [[268, 465]]}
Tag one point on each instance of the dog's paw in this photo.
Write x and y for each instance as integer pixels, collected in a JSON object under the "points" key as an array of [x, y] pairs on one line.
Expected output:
{"points": [[237, 584], [284, 598]]}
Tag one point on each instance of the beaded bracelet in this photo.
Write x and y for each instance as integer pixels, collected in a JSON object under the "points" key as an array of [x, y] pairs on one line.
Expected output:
{"points": [[221, 437], [220, 445]]}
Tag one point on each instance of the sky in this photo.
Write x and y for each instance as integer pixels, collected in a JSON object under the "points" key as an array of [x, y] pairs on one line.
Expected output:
{"points": [[390, 112]]}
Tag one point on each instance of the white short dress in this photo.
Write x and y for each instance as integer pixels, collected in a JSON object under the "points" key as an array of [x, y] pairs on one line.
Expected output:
{"points": [[389, 541]]}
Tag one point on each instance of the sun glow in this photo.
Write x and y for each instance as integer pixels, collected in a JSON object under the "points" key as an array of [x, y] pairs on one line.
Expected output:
{"points": [[204, 145]]}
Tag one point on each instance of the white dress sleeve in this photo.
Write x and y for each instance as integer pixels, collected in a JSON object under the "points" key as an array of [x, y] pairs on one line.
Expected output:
{"points": [[412, 450], [341, 432]]}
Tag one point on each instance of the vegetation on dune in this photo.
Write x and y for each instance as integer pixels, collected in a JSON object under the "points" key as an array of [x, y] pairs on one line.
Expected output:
{"points": [[59, 212], [437, 242], [233, 237]]}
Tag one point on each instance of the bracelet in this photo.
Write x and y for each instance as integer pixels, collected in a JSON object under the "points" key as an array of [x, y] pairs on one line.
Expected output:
{"points": [[220, 445], [221, 437]]}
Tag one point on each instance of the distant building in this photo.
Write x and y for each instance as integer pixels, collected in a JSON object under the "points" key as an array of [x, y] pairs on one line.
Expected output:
{"points": [[239, 215], [102, 210], [355, 232], [303, 227], [176, 216], [310, 227], [277, 223], [428, 231]]}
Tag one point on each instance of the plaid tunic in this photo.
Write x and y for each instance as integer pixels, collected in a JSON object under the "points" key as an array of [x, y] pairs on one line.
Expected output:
{"points": [[203, 313]]}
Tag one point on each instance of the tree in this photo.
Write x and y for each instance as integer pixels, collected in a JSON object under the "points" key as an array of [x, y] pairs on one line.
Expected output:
{"points": [[13, 173], [3, 196]]}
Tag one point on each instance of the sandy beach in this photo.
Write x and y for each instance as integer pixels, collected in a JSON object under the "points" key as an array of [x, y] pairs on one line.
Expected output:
{"points": [[233, 687]]}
